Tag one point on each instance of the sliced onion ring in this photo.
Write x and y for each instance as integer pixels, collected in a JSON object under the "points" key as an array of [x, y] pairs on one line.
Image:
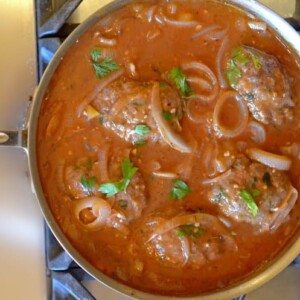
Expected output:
{"points": [[205, 31], [169, 136], [165, 174], [259, 26], [258, 132], [220, 58], [269, 159], [100, 208], [217, 178], [282, 212], [244, 115], [201, 218], [107, 42], [185, 246], [178, 23], [213, 83], [102, 84]]}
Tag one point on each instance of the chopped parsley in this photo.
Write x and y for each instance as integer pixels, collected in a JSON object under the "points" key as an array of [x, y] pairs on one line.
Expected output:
{"points": [[88, 183], [249, 200], [256, 61], [190, 231], [177, 76], [267, 179], [167, 116], [110, 189], [95, 54], [239, 56], [180, 189], [233, 73], [128, 171], [104, 67], [140, 143], [141, 129], [255, 192]]}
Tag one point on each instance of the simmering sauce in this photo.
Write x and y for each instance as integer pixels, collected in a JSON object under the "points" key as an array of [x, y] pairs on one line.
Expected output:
{"points": [[169, 145]]}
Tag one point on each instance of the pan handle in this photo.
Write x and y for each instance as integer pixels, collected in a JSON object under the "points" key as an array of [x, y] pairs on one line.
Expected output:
{"points": [[295, 20], [14, 138]]}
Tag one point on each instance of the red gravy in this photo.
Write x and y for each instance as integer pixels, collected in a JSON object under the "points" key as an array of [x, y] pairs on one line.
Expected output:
{"points": [[149, 146]]}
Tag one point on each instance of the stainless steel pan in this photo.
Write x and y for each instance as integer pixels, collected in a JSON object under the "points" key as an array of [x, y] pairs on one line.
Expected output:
{"points": [[26, 139]]}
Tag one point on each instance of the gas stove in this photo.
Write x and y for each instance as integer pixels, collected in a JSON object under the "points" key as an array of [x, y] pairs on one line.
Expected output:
{"points": [[33, 264]]}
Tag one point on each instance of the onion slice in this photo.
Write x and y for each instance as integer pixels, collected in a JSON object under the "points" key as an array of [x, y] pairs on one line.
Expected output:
{"points": [[165, 174], [259, 26], [100, 208], [196, 111], [169, 136], [178, 23], [102, 84], [205, 31], [185, 246], [161, 18], [203, 84], [244, 115], [286, 206], [150, 13], [103, 165], [220, 58], [258, 132], [269, 159], [200, 218], [107, 42], [217, 178]]}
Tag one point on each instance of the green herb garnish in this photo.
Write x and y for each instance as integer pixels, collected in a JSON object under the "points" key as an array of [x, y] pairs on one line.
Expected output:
{"points": [[249, 200], [233, 72], [239, 56], [140, 143], [95, 54], [177, 76], [256, 61], [167, 116], [190, 231], [180, 189], [141, 129], [88, 183], [255, 192], [110, 189], [128, 171], [105, 67], [267, 179]]}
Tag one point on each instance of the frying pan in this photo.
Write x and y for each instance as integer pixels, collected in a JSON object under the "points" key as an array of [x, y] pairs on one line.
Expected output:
{"points": [[26, 139]]}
